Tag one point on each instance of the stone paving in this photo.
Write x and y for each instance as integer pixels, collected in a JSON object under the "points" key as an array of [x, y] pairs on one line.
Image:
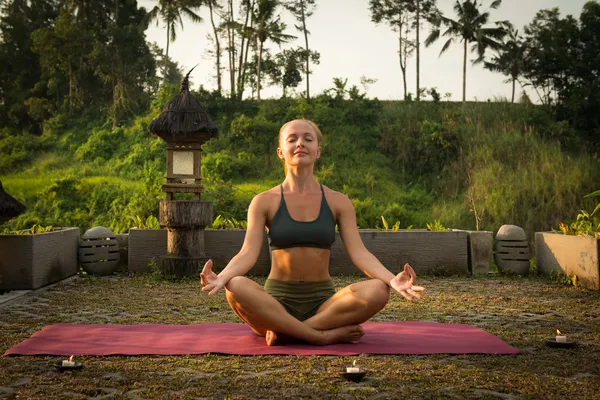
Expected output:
{"points": [[521, 312]]}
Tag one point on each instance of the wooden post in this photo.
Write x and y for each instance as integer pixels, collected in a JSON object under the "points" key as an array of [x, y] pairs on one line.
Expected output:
{"points": [[185, 222]]}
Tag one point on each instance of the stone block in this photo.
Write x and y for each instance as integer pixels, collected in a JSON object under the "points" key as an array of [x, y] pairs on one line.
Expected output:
{"points": [[32, 261], [569, 255]]}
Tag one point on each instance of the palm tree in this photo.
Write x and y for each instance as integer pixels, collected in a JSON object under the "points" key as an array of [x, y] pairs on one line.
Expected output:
{"points": [[469, 27], [268, 27], [509, 60], [171, 11]]}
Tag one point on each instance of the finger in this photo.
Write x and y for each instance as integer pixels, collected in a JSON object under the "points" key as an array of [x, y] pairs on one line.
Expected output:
{"points": [[207, 287], [215, 290], [415, 294], [410, 271], [418, 288], [406, 296], [207, 267]]}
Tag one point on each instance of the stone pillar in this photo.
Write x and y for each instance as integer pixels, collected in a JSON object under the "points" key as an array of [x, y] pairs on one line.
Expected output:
{"points": [[185, 222], [512, 250]]}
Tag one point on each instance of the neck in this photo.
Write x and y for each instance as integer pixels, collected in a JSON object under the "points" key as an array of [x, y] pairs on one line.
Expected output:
{"points": [[300, 180]]}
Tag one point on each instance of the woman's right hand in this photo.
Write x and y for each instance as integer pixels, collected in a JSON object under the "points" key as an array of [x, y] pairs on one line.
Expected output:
{"points": [[210, 280]]}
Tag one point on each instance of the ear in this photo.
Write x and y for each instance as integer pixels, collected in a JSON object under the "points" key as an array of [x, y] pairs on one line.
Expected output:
{"points": [[319, 149], [280, 153]]}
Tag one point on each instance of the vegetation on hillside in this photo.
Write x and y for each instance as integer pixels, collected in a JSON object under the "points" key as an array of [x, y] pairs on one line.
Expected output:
{"points": [[84, 85]]}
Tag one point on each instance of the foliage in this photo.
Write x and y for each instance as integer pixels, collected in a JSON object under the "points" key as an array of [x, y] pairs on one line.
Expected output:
{"points": [[151, 222], [586, 224], [228, 223], [470, 27], [393, 228], [436, 226], [268, 27], [563, 279], [34, 230], [509, 58], [417, 163], [170, 12], [303, 56], [561, 66]]}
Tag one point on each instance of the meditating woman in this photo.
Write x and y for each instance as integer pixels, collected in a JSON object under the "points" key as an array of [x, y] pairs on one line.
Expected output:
{"points": [[299, 299]]}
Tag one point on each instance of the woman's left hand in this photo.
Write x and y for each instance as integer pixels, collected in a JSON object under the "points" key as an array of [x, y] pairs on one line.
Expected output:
{"points": [[404, 283]]}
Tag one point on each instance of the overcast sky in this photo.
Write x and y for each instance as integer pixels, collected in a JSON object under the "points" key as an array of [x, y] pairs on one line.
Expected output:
{"points": [[351, 46]]}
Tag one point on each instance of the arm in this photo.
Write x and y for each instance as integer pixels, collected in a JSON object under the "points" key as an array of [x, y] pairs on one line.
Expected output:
{"points": [[245, 259], [403, 283], [360, 256]]}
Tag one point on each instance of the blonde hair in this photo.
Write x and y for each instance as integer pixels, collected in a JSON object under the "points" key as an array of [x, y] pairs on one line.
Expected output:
{"points": [[320, 137]]}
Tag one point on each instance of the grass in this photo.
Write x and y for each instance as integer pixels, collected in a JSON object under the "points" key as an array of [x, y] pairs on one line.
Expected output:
{"points": [[521, 311]]}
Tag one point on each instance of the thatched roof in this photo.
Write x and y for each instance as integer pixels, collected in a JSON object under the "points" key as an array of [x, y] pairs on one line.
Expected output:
{"points": [[9, 206], [183, 118]]}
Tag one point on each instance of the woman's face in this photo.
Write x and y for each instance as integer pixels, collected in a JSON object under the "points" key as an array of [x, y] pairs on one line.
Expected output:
{"points": [[298, 144]]}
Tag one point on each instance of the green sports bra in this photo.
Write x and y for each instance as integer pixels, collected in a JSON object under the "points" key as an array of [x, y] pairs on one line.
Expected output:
{"points": [[285, 232]]}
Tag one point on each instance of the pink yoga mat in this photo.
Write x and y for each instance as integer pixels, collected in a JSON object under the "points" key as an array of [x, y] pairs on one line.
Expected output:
{"points": [[237, 338]]}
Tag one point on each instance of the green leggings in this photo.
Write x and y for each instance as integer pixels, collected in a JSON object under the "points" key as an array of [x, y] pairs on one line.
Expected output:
{"points": [[300, 299]]}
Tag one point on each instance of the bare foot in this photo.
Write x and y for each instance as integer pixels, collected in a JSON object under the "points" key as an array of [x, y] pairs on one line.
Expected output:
{"points": [[274, 339], [271, 338], [344, 334]]}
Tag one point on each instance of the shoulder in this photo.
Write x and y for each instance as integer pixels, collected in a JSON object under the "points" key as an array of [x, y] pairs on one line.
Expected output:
{"points": [[337, 200], [265, 199]]}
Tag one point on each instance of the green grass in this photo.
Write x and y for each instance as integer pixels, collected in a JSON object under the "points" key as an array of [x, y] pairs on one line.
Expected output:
{"points": [[25, 185], [520, 311]]}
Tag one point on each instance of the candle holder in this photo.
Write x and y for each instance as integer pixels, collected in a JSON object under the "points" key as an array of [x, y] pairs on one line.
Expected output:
{"points": [[355, 376], [567, 344], [74, 366]]}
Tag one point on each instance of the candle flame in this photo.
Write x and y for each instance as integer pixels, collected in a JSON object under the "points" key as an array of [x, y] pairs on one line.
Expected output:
{"points": [[558, 332], [71, 358], [354, 363]]}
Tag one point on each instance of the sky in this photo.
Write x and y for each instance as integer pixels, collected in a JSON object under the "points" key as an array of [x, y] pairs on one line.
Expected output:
{"points": [[351, 46]]}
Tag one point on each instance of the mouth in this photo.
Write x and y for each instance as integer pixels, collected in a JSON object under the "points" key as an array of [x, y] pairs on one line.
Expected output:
{"points": [[300, 152]]}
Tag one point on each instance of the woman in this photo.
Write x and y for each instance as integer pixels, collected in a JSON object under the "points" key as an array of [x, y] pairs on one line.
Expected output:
{"points": [[299, 299]]}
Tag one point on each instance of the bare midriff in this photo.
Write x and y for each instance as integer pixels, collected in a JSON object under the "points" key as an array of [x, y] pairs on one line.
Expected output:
{"points": [[300, 264]]}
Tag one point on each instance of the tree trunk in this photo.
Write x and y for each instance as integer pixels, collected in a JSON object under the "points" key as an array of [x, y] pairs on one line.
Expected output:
{"points": [[464, 99], [260, 50], [168, 41], [114, 107], [402, 63], [513, 90], [243, 71], [218, 47], [307, 50], [240, 89], [418, 50], [70, 86], [231, 49]]}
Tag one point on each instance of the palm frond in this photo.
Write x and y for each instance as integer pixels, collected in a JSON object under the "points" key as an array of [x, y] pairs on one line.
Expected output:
{"points": [[433, 36], [496, 4], [191, 14], [446, 45], [173, 33]]}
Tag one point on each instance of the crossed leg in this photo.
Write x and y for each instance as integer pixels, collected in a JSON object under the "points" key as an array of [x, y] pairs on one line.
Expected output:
{"points": [[336, 321]]}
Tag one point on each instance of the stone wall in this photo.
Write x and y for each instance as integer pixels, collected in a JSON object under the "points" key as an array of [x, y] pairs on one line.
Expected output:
{"points": [[33, 261], [442, 253]]}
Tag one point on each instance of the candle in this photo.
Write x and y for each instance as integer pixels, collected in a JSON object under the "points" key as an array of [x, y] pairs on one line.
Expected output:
{"points": [[353, 368], [69, 362], [560, 338]]}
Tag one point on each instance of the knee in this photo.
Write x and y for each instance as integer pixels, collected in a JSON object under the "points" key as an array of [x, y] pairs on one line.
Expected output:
{"points": [[379, 293], [236, 285]]}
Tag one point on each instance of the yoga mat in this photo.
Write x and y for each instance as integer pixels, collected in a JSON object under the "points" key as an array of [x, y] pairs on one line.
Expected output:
{"points": [[237, 338]]}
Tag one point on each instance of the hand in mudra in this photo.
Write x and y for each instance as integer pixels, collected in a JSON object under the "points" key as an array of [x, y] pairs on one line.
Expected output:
{"points": [[210, 280], [404, 283]]}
